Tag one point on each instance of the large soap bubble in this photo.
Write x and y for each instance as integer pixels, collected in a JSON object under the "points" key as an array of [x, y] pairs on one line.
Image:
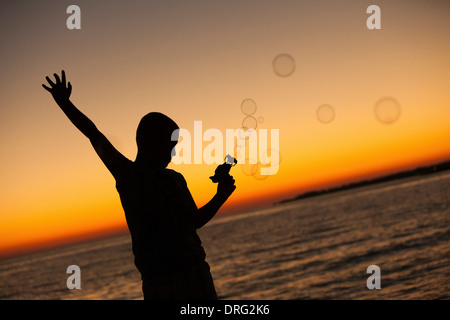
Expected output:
{"points": [[248, 106], [249, 123], [387, 110], [283, 65], [325, 113]]}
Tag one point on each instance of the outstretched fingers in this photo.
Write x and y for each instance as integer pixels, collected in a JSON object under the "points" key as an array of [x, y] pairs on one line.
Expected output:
{"points": [[57, 78], [50, 82], [59, 84], [63, 78]]}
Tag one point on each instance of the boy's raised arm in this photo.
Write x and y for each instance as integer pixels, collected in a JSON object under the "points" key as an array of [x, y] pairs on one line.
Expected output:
{"points": [[61, 91]]}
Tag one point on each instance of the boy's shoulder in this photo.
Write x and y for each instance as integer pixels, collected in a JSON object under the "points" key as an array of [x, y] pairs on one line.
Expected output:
{"points": [[132, 172], [175, 174]]}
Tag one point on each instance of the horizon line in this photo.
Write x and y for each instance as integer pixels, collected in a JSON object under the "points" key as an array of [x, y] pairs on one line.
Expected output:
{"points": [[241, 207]]}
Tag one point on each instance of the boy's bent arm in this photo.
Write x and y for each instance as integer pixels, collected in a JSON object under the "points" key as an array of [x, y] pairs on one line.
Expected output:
{"points": [[112, 158], [224, 189], [208, 211]]}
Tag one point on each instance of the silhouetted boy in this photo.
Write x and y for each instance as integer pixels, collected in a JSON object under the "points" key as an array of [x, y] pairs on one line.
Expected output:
{"points": [[160, 212]]}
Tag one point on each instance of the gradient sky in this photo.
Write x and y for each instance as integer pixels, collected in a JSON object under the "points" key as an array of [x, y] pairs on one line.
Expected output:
{"points": [[197, 60]]}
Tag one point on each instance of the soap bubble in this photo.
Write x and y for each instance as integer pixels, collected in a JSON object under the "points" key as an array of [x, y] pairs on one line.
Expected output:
{"points": [[325, 113], [268, 156], [246, 146], [269, 170], [263, 168], [387, 110], [248, 167], [245, 133], [261, 119], [240, 143], [243, 144], [283, 65], [248, 106], [249, 122], [257, 171]]}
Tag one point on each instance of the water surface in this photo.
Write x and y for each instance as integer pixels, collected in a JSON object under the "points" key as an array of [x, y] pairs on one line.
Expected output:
{"points": [[315, 248]]}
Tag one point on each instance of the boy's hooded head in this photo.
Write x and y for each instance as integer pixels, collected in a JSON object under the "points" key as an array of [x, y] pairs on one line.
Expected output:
{"points": [[154, 139]]}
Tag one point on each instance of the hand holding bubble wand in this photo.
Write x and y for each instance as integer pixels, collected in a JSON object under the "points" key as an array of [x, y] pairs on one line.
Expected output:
{"points": [[223, 170]]}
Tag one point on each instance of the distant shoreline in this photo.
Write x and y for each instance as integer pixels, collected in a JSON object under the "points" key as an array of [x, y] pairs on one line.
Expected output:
{"points": [[404, 174]]}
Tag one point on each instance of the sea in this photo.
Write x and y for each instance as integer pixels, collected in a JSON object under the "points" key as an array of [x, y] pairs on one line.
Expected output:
{"points": [[320, 247]]}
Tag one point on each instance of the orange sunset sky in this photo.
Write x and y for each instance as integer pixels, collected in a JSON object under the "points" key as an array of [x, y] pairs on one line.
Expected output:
{"points": [[198, 60]]}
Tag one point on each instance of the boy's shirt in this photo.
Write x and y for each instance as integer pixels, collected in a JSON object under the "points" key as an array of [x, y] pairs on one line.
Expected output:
{"points": [[159, 210]]}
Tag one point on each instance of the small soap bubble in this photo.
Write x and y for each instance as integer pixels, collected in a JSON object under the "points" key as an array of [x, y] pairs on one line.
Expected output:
{"points": [[325, 113], [249, 123], [261, 119], [283, 65], [387, 110], [248, 106]]}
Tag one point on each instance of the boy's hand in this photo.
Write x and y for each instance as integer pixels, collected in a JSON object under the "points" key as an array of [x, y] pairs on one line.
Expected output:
{"points": [[226, 187], [59, 90]]}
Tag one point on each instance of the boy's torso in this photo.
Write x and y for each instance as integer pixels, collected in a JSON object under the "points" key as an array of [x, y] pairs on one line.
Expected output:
{"points": [[159, 210]]}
